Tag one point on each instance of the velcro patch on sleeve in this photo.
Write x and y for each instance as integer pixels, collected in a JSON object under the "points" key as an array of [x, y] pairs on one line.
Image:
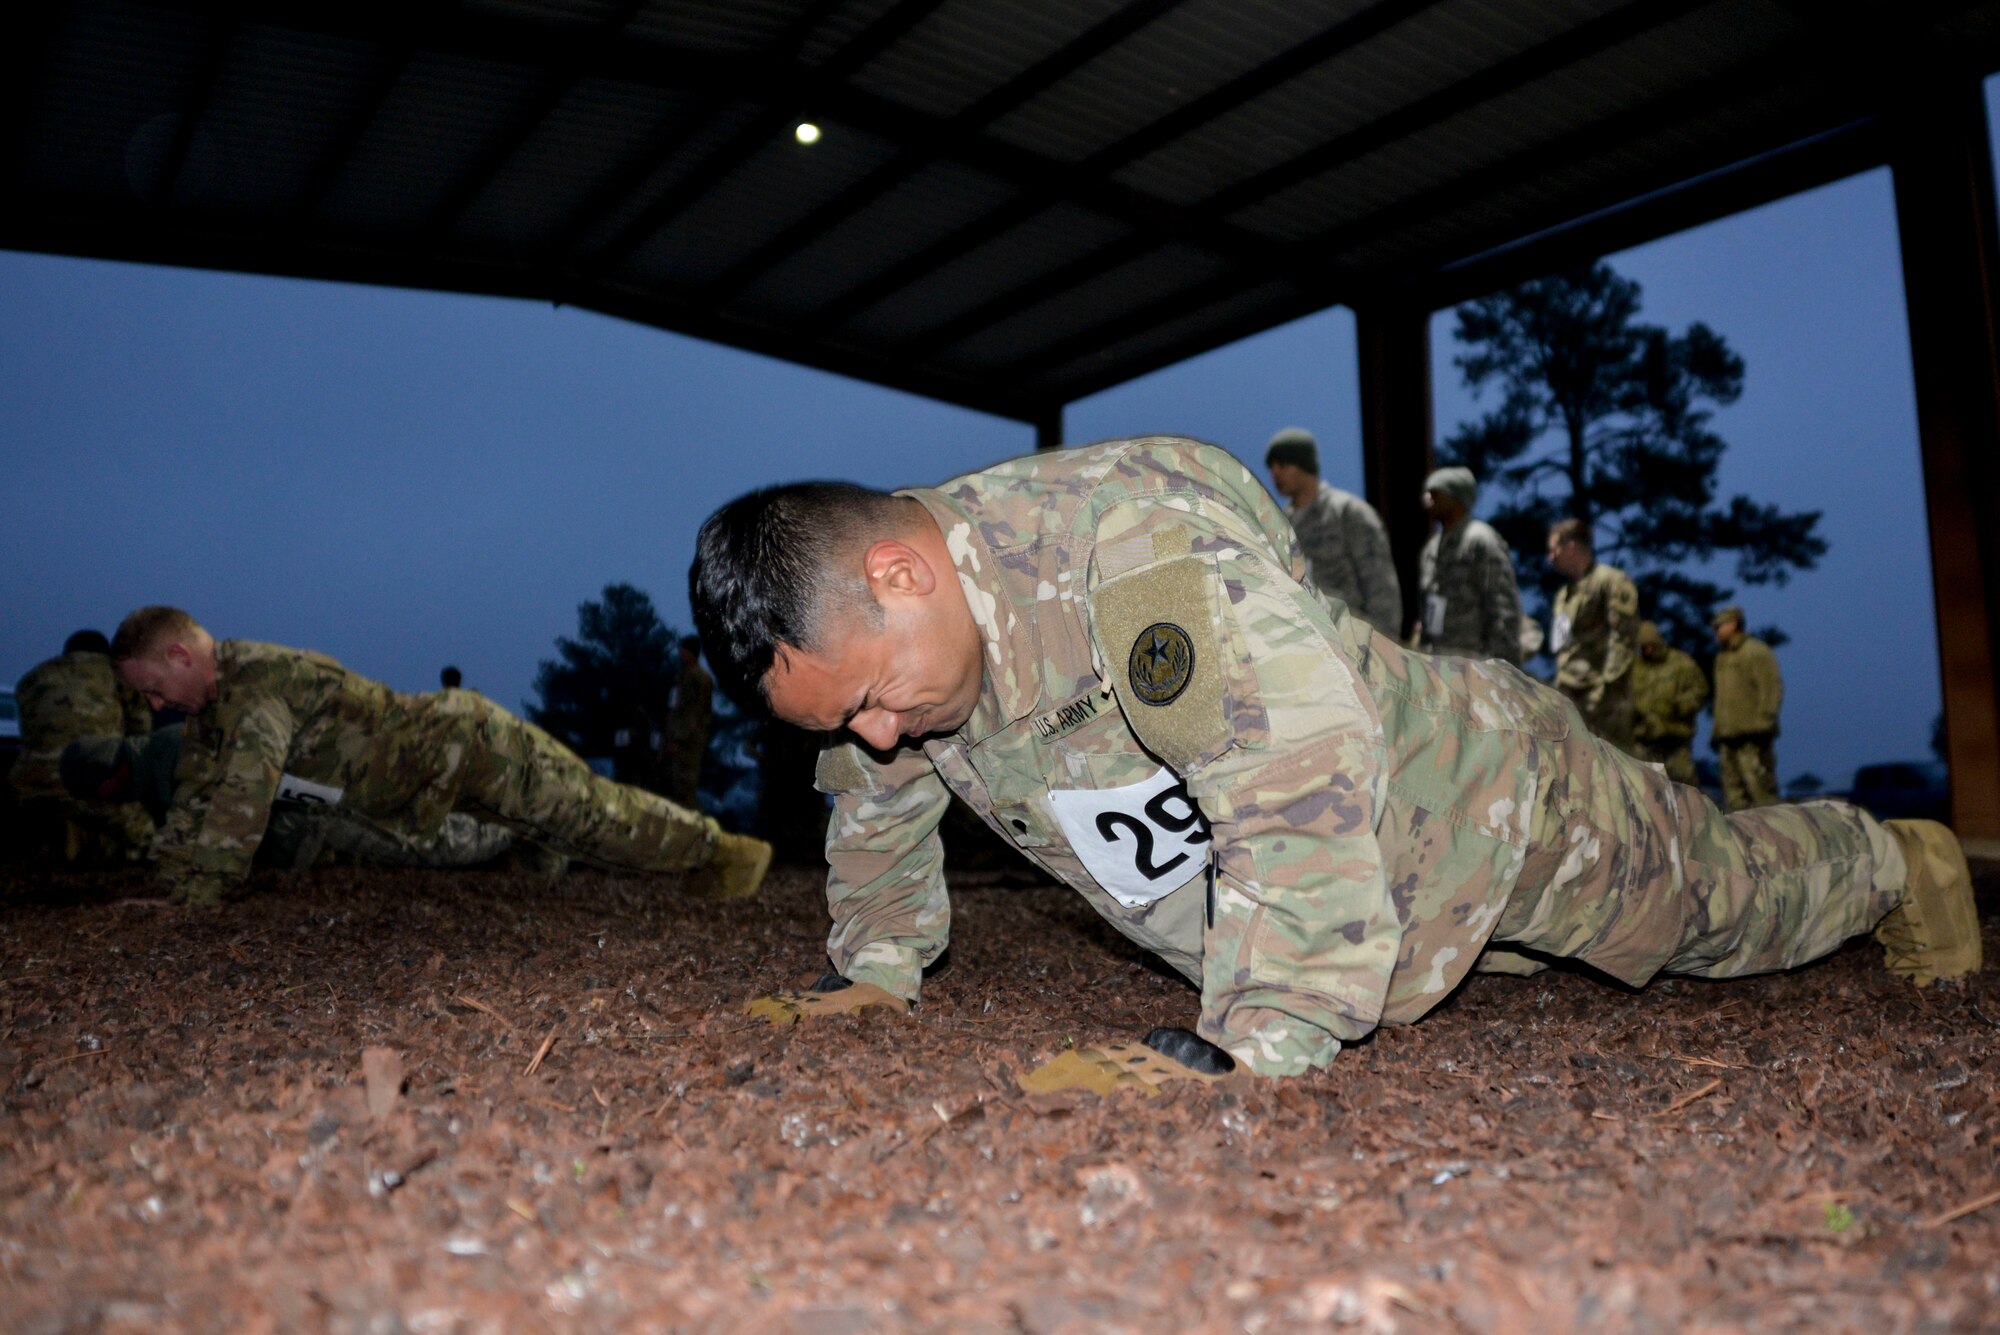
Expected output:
{"points": [[839, 770], [1161, 637]]}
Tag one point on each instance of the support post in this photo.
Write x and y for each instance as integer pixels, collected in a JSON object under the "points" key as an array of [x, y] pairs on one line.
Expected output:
{"points": [[1049, 428], [1396, 450], [1943, 169]]}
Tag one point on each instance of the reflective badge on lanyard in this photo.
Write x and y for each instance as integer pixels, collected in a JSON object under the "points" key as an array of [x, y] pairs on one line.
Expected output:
{"points": [[291, 788], [1433, 615], [1141, 842], [1559, 634]]}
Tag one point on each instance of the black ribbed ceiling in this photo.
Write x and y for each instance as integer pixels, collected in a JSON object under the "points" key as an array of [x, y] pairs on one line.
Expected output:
{"points": [[1011, 204]]}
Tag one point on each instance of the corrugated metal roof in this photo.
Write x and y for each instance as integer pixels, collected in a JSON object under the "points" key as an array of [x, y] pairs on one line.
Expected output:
{"points": [[1014, 203]]}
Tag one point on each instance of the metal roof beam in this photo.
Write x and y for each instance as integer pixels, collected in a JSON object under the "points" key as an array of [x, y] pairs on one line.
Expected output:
{"points": [[564, 72], [944, 140], [1580, 43], [110, 233], [1056, 183], [1324, 284], [782, 111]]}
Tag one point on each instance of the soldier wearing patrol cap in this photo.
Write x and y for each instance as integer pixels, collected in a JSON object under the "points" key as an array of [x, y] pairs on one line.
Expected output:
{"points": [[1346, 548], [266, 722], [1748, 691], [1109, 654], [1668, 692], [1471, 602]]}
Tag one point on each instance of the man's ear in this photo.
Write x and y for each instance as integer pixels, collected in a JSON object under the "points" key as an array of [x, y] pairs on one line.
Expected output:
{"points": [[178, 654], [895, 567]]}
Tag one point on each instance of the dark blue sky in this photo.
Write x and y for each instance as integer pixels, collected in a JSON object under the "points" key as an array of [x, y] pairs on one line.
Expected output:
{"points": [[407, 479]]}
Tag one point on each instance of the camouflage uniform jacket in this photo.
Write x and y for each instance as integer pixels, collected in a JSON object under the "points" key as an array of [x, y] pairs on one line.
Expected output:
{"points": [[1314, 825], [290, 723], [693, 709], [1347, 556], [75, 695], [1748, 691], [1666, 697], [1594, 634], [1471, 602]]}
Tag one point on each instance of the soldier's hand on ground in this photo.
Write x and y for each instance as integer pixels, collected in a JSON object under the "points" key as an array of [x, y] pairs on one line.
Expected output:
{"points": [[829, 995], [1142, 1066]]}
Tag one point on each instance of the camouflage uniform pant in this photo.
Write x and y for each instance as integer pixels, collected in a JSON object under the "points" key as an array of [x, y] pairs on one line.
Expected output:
{"points": [[1636, 875], [56, 827], [1676, 753], [518, 776], [1749, 774]]}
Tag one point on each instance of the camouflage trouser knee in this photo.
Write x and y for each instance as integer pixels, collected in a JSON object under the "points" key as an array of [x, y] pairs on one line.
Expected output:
{"points": [[1676, 756], [518, 776], [1749, 774], [1635, 875]]}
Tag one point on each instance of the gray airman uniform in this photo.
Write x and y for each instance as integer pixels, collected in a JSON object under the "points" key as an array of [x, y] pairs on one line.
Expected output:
{"points": [[76, 695], [1471, 602], [294, 724], [1594, 634], [1748, 691], [1347, 556], [1667, 697], [1319, 828]]}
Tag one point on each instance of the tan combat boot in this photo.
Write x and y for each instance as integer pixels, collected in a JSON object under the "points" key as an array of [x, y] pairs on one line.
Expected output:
{"points": [[1934, 932], [735, 869]]}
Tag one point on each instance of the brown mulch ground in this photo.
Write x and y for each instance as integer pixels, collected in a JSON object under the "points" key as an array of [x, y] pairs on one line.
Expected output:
{"points": [[187, 1140]]}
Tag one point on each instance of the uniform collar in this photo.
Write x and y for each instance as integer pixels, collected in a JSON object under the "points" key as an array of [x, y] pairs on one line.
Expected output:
{"points": [[1012, 652]]}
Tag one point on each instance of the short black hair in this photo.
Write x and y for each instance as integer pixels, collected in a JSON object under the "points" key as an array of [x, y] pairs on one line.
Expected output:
{"points": [[87, 642], [691, 644], [451, 678], [770, 566]]}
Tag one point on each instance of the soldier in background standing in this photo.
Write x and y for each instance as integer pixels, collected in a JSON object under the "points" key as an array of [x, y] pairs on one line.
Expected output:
{"points": [[1471, 603], [689, 718], [1594, 633], [267, 722], [1346, 547], [62, 699], [1748, 691], [1668, 692]]}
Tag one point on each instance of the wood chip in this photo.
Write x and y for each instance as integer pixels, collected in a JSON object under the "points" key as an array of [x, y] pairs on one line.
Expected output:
{"points": [[382, 1068], [1973, 1206], [540, 1053], [460, 999], [1685, 1099], [78, 1056]]}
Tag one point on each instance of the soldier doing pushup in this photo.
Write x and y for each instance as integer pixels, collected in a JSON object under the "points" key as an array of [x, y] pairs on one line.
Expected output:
{"points": [[266, 721]]}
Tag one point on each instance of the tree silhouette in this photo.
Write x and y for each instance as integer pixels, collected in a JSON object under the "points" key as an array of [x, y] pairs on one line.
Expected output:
{"points": [[614, 677], [1607, 419]]}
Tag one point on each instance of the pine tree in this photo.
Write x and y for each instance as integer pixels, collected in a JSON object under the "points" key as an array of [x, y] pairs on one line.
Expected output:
{"points": [[613, 679], [1608, 419]]}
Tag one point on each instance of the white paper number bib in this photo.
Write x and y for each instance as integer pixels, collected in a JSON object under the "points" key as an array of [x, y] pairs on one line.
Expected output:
{"points": [[1559, 634], [1433, 616], [291, 788], [1141, 842]]}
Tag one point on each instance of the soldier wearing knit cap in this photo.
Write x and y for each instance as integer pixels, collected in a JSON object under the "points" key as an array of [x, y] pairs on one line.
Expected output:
{"points": [[1470, 604], [1668, 692], [1346, 548]]}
